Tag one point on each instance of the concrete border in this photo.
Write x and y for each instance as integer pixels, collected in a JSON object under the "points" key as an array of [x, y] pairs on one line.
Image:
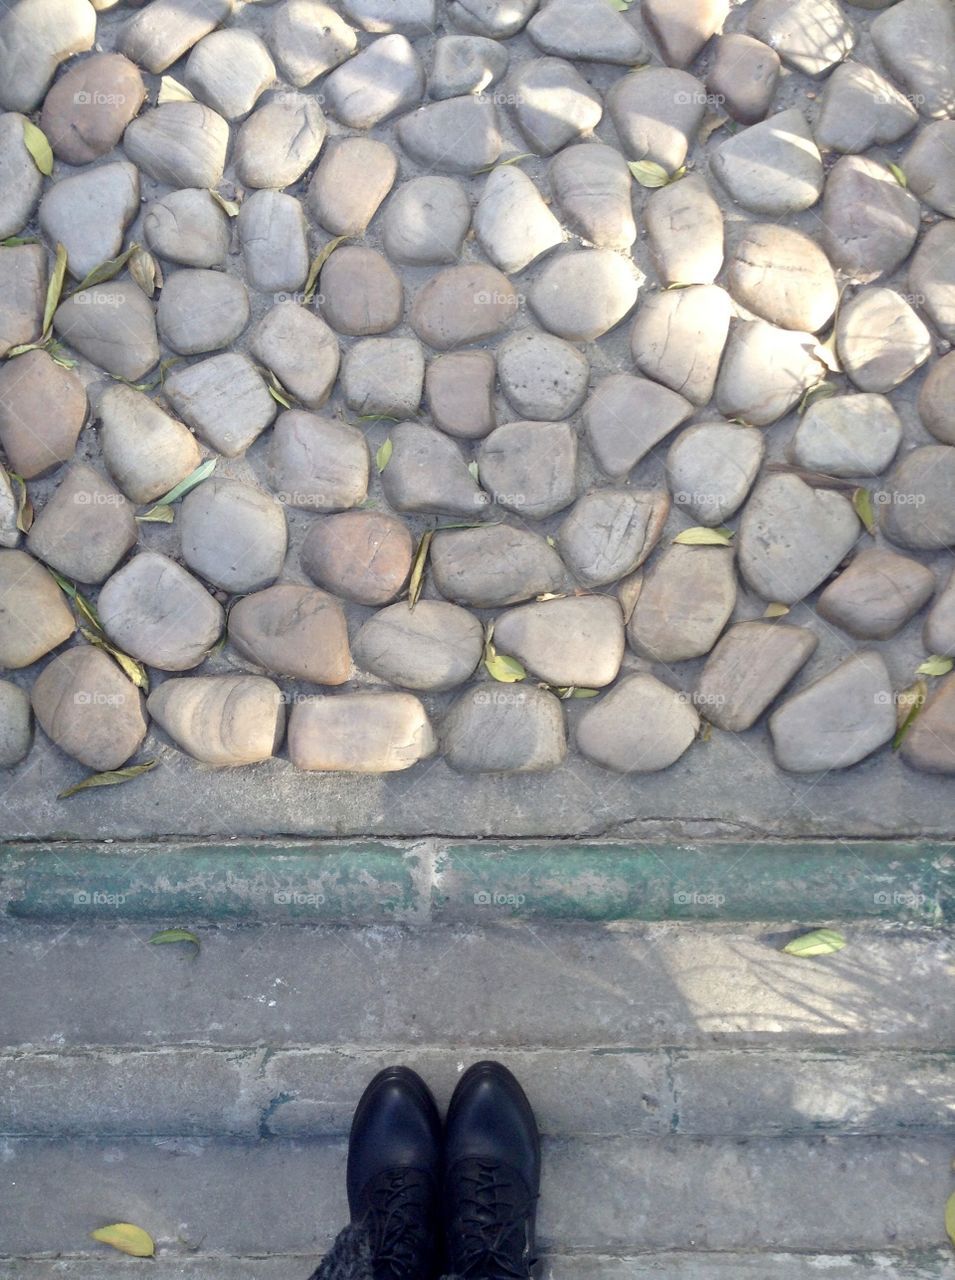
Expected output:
{"points": [[445, 882]]}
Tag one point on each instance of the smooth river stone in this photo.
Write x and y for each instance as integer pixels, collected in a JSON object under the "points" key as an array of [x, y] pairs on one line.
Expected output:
{"points": [[359, 733], [543, 377], [496, 728], [686, 600], [463, 304], [791, 537], [224, 399], [291, 630], [384, 376], [880, 339], [678, 338], [854, 435], [23, 286], [685, 231], [147, 451], [592, 187], [877, 594], [363, 556], [494, 566], [85, 528], [465, 64], [751, 664], [576, 641], [610, 532], [381, 17], [641, 726], [232, 535], [938, 633], [90, 105], [16, 724], [188, 227], [916, 41], [656, 112], [163, 30], [309, 38], [201, 311], [89, 212], [113, 326], [428, 473], [36, 36], [460, 392], [229, 70], [530, 467], [352, 178], [587, 31], [773, 167], [765, 371], [711, 467], [426, 221], [513, 225], [626, 417], [42, 410], [742, 76], [458, 135], [34, 614], [837, 720], [809, 35], [181, 144], [861, 109], [930, 741], [927, 168], [932, 277], [680, 30], [318, 463], [154, 610], [782, 276], [936, 399], [300, 349], [553, 103], [221, 720], [20, 180], [584, 293], [279, 141], [496, 18], [869, 221], [273, 234], [434, 647], [915, 505], [89, 708], [385, 78]]}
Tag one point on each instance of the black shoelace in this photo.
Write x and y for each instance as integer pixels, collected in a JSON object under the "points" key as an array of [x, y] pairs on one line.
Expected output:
{"points": [[490, 1213], [399, 1221]]}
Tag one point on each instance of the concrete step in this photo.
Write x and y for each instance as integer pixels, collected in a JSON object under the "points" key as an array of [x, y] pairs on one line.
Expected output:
{"points": [[595, 1092], [512, 984], [614, 1195]]}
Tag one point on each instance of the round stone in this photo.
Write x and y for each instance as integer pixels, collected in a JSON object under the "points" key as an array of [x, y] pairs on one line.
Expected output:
{"points": [[364, 556], [861, 109], [584, 293], [499, 19], [300, 349], [686, 600], [426, 221], [381, 81], [916, 503], [847, 436], [504, 729], [88, 108], [465, 64], [751, 664], [783, 276], [930, 742], [221, 720], [352, 178], [427, 473], [880, 339], [927, 169], [494, 566], [318, 463], [711, 467], [16, 727], [765, 371], [147, 451], [89, 212], [274, 238], [586, 30], [34, 615], [877, 594], [678, 338], [936, 402], [460, 393], [383, 377], [361, 291], [85, 528], [938, 634], [35, 37], [641, 726], [743, 76], [20, 180], [916, 42], [89, 708], [278, 142], [656, 112], [773, 167], [188, 227], [138, 602], [543, 377], [553, 103], [181, 144], [113, 326], [42, 410], [232, 535], [160, 33], [224, 400], [513, 224], [530, 467], [626, 417], [610, 532], [809, 35], [577, 641], [309, 38], [461, 305], [932, 277], [201, 311], [413, 17], [685, 230], [869, 221], [592, 187], [458, 135], [368, 732], [229, 70], [434, 647], [291, 630]]}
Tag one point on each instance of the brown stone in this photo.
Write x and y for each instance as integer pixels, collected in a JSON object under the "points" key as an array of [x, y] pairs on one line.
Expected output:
{"points": [[42, 411], [88, 108], [89, 708], [362, 555], [34, 615], [292, 630]]}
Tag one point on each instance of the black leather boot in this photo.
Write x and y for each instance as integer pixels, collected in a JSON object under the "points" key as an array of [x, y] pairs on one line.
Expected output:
{"points": [[492, 1176], [394, 1175]]}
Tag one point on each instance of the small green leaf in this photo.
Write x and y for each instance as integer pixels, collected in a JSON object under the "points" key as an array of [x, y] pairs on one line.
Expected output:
{"points": [[230, 207], [202, 472], [55, 351], [711, 122], [584, 693], [899, 175], [170, 90], [821, 942], [473, 469], [776, 610], [175, 935], [145, 270], [504, 669], [620, 5], [157, 515], [129, 666], [950, 1217], [24, 505], [377, 417], [55, 287], [416, 581], [649, 174], [318, 262], [909, 706], [936, 665], [703, 537], [127, 1239], [862, 506], [38, 145], [383, 456], [821, 391], [106, 270], [551, 542], [14, 242], [277, 391], [109, 779], [82, 604]]}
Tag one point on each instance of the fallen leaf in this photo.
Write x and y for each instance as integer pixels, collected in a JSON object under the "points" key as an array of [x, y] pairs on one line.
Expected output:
{"points": [[416, 581], [551, 595], [473, 469], [715, 120], [38, 145], [909, 705], [55, 351], [950, 1217], [230, 207], [551, 542], [935, 665], [862, 506], [502, 668], [899, 175], [127, 1239], [24, 505], [170, 90], [157, 515], [584, 693], [821, 391], [82, 604], [175, 935], [106, 270], [649, 174], [703, 537], [821, 942], [14, 242], [129, 666], [705, 731], [277, 391], [144, 269], [202, 472], [776, 610], [54, 288], [318, 262], [109, 779], [383, 456]]}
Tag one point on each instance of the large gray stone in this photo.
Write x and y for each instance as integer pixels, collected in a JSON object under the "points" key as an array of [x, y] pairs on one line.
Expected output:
{"points": [[16, 727], [587, 31], [916, 503], [773, 167], [782, 275], [85, 528], [751, 664], [678, 338], [810, 35], [380, 17], [279, 140], [274, 238], [434, 646], [359, 733], [318, 463], [685, 231], [20, 180], [42, 410], [837, 720], [462, 305], [861, 109], [685, 601], [232, 535], [926, 166], [656, 113], [113, 326], [156, 611], [498, 728], [385, 78], [877, 594], [426, 221], [592, 188], [460, 391], [89, 106], [932, 277], [163, 30], [543, 377], [465, 64], [147, 451], [229, 71], [743, 76], [530, 467], [681, 31], [583, 293], [291, 630], [34, 614], [916, 41], [936, 400], [711, 467], [456, 135], [427, 473], [847, 436], [201, 311], [626, 417], [869, 221], [352, 178], [497, 18], [224, 400], [930, 742], [938, 633], [576, 641], [221, 720], [309, 38], [610, 532], [513, 225], [89, 213], [494, 566], [641, 726], [361, 292], [362, 555], [35, 37], [384, 376], [300, 349], [182, 144], [553, 104], [765, 371], [23, 286], [880, 339], [188, 227], [89, 708], [791, 537]]}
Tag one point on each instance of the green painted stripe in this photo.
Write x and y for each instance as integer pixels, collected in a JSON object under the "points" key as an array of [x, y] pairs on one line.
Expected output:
{"points": [[331, 882]]}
